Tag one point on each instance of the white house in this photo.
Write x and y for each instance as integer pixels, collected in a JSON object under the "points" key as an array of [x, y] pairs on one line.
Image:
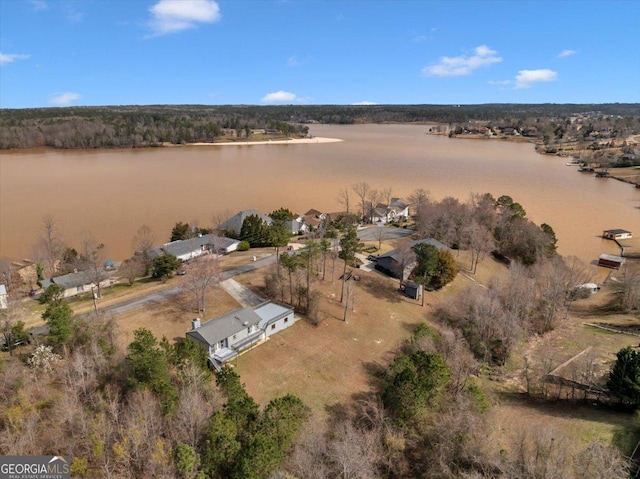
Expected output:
{"points": [[227, 336], [396, 210], [194, 247], [274, 317]]}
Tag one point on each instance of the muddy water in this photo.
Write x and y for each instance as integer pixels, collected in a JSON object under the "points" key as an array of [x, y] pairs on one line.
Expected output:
{"points": [[109, 194]]}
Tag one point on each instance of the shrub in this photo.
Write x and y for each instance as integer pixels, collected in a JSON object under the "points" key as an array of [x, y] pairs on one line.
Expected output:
{"points": [[243, 246]]}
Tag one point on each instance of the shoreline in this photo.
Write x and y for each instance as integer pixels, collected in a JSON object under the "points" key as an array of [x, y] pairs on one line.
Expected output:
{"points": [[290, 141]]}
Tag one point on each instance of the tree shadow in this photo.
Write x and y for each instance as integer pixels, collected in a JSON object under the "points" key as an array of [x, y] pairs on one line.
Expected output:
{"points": [[384, 292], [579, 409]]}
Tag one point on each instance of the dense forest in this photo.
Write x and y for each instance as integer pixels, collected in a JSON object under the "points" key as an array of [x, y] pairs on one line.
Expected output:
{"points": [[153, 125]]}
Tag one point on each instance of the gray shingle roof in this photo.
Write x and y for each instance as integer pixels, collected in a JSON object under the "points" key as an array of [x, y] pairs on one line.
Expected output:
{"points": [[217, 329], [392, 254], [67, 281], [184, 247]]}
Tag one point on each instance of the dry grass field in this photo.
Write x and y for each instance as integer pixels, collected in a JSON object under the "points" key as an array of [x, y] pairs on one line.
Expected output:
{"points": [[331, 363]]}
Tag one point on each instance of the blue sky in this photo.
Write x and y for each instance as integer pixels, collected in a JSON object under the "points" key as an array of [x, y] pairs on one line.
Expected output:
{"points": [[74, 52]]}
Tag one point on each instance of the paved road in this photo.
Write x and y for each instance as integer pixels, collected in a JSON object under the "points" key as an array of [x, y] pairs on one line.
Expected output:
{"points": [[162, 295], [167, 293]]}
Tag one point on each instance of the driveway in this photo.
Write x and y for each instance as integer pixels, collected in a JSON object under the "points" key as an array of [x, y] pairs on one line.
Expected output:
{"points": [[388, 233]]}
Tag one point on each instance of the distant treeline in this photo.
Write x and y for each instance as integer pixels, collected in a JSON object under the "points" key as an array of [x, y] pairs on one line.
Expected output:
{"points": [[143, 126]]}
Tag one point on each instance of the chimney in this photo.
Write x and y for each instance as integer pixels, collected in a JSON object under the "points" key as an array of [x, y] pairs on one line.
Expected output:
{"points": [[195, 323]]}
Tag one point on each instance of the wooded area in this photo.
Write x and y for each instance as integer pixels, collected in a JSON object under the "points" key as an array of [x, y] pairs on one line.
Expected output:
{"points": [[145, 126]]}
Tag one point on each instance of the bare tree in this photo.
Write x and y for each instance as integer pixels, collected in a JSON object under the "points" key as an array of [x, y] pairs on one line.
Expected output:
{"points": [[373, 198], [219, 217], [406, 256], [132, 268], [362, 191], [50, 247], [385, 195], [480, 242], [380, 234], [203, 273], [143, 243], [92, 263], [344, 199], [629, 286], [418, 200]]}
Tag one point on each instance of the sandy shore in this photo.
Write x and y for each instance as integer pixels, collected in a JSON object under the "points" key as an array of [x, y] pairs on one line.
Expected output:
{"points": [[296, 141]]}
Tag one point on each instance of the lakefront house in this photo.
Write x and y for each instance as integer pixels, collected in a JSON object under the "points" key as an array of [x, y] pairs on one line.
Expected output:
{"points": [[225, 337]]}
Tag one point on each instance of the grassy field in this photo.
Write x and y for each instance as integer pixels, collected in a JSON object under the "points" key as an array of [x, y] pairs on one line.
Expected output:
{"points": [[331, 363]]}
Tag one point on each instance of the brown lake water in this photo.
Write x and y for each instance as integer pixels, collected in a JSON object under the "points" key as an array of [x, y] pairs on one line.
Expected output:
{"points": [[109, 194]]}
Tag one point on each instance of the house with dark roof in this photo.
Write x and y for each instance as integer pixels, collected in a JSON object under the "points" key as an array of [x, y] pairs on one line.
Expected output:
{"points": [[225, 337], [235, 222], [77, 283], [194, 247], [400, 262]]}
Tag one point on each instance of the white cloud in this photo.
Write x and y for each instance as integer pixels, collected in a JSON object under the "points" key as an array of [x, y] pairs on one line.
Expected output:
{"points": [[11, 57], [280, 97], [365, 102], [566, 53], [63, 99], [527, 78], [74, 16], [38, 4], [294, 61], [482, 56], [169, 16]]}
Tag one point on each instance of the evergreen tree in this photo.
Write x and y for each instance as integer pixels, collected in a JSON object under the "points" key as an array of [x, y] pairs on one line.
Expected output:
{"points": [[624, 378], [164, 266], [58, 317], [149, 368], [255, 231]]}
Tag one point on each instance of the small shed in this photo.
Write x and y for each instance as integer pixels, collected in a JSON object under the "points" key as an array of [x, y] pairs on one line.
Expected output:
{"points": [[617, 234], [610, 261], [412, 289]]}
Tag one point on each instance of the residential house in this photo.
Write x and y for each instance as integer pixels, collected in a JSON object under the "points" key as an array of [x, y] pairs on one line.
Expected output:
{"points": [[297, 225], [397, 209], [4, 304], [313, 218], [77, 283], [235, 222], [392, 262], [274, 317], [194, 247], [227, 336]]}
